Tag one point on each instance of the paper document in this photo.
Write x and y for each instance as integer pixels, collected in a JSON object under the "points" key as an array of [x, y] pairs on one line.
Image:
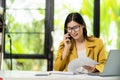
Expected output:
{"points": [[76, 64], [54, 73], [61, 72]]}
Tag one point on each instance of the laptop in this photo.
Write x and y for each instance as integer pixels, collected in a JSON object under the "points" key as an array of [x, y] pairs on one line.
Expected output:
{"points": [[112, 66]]}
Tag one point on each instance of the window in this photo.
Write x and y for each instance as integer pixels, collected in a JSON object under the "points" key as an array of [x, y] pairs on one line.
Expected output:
{"points": [[28, 37]]}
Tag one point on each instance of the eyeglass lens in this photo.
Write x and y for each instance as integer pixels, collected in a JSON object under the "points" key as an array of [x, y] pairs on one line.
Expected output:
{"points": [[74, 28]]}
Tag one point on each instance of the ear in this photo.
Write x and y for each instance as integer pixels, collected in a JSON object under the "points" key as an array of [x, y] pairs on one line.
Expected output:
{"points": [[83, 26]]}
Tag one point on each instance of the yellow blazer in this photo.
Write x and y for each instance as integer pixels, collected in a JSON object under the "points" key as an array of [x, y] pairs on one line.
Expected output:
{"points": [[94, 49]]}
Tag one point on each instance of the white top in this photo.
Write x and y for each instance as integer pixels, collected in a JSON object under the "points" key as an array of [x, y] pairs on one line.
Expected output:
{"points": [[82, 53]]}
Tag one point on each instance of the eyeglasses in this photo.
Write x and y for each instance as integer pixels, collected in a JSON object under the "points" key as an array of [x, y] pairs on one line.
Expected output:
{"points": [[74, 28]]}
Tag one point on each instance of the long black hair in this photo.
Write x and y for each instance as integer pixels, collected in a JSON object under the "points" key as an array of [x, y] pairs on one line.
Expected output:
{"points": [[75, 16]]}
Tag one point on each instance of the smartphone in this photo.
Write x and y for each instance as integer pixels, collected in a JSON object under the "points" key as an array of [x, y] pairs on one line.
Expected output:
{"points": [[70, 37]]}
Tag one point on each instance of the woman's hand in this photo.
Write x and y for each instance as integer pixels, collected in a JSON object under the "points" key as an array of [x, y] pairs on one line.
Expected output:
{"points": [[67, 44], [91, 69], [67, 41]]}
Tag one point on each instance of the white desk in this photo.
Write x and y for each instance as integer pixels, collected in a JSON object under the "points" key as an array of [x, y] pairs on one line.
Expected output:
{"points": [[30, 75]]}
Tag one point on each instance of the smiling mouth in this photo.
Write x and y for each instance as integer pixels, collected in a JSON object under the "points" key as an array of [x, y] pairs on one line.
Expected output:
{"points": [[74, 35]]}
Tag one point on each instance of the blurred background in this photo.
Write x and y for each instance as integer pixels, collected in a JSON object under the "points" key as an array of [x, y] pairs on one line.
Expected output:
{"points": [[34, 29]]}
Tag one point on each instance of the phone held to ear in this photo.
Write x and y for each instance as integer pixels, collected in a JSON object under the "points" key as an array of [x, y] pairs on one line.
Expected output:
{"points": [[70, 37]]}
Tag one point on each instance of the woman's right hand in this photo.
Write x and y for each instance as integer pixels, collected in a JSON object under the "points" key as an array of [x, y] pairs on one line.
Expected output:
{"points": [[67, 41], [67, 44]]}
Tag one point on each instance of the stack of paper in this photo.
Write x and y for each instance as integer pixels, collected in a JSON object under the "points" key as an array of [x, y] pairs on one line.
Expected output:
{"points": [[76, 64]]}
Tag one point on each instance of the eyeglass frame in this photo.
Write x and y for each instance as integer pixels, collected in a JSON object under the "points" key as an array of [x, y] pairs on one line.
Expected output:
{"points": [[77, 27]]}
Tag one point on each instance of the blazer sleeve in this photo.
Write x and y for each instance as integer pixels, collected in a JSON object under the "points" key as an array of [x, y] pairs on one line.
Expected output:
{"points": [[59, 64], [101, 56]]}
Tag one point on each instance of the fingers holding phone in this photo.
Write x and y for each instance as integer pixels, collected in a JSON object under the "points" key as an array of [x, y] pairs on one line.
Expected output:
{"points": [[70, 37], [67, 37], [67, 40]]}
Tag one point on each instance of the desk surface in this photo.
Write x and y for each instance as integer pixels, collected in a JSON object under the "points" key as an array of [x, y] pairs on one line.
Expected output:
{"points": [[30, 75]]}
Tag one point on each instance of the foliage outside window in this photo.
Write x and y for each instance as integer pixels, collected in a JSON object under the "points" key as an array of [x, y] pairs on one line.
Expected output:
{"points": [[110, 23]]}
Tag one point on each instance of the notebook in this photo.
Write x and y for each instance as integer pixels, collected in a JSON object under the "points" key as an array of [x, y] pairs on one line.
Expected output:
{"points": [[112, 66]]}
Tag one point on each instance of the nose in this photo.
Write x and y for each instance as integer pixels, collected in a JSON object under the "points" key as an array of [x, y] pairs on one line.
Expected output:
{"points": [[73, 31]]}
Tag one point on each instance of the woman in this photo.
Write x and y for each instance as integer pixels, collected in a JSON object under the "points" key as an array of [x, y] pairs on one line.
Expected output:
{"points": [[76, 43]]}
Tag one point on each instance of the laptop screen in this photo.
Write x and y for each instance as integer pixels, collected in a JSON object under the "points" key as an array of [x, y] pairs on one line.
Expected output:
{"points": [[112, 66]]}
